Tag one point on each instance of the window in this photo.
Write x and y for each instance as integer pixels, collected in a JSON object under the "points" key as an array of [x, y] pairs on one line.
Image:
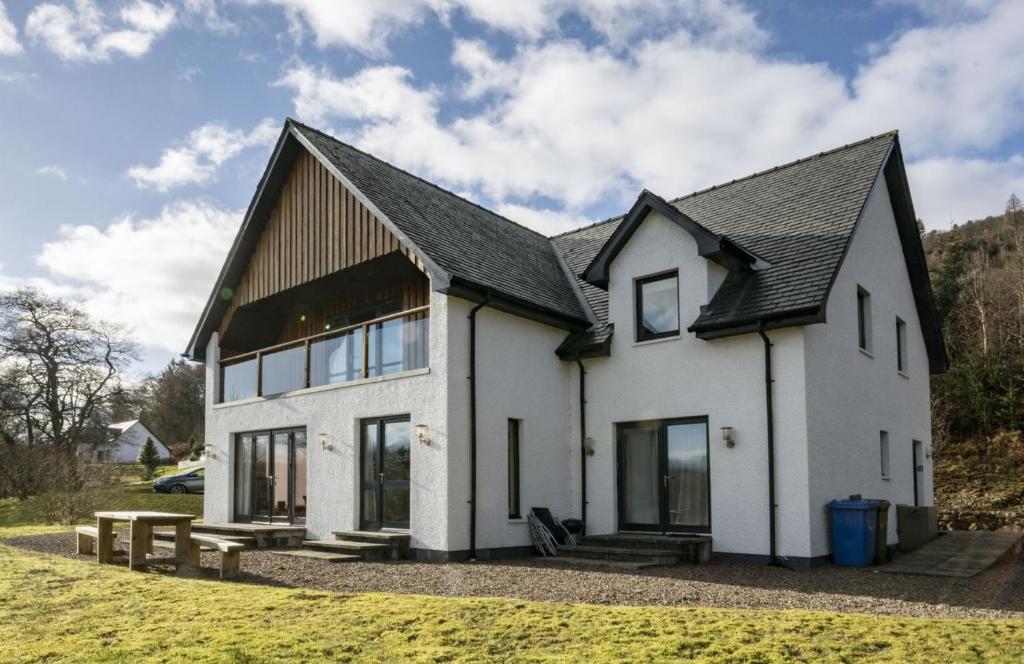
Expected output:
{"points": [[901, 345], [657, 307], [514, 511], [883, 448], [864, 319]]}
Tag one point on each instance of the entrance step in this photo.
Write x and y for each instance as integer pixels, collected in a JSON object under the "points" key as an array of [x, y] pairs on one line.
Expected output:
{"points": [[266, 536], [623, 554], [692, 548], [363, 550], [398, 542], [321, 555], [630, 565]]}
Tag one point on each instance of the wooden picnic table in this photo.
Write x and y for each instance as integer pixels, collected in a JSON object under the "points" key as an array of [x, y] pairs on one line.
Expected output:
{"points": [[140, 524]]}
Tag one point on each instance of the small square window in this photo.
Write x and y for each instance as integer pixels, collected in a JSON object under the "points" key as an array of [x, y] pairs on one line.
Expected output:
{"points": [[657, 307], [863, 319], [883, 448], [901, 345]]}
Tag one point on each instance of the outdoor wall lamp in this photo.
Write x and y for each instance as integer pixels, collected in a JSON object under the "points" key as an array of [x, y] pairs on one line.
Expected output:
{"points": [[209, 451], [325, 445], [422, 434], [588, 445], [729, 437]]}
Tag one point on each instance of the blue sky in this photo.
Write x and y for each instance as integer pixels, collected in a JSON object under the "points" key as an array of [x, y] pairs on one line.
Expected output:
{"points": [[135, 131]]}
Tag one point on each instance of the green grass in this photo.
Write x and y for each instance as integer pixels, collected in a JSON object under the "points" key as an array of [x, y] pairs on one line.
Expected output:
{"points": [[131, 494], [57, 609]]}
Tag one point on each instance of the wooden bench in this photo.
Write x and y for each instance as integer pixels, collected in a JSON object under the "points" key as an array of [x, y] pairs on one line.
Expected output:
{"points": [[229, 553], [85, 537]]}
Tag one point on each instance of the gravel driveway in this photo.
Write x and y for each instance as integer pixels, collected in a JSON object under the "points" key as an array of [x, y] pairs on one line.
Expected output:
{"points": [[996, 593]]}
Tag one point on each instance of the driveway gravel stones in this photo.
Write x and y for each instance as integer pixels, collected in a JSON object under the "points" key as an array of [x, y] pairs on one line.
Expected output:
{"points": [[996, 593]]}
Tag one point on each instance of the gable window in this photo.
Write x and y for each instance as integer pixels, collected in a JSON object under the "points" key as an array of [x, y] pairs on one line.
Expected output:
{"points": [[514, 510], [863, 319], [657, 306], [901, 346], [883, 449]]}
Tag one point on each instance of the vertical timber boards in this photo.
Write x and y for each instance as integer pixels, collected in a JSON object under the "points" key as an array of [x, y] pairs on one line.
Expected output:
{"points": [[316, 228]]}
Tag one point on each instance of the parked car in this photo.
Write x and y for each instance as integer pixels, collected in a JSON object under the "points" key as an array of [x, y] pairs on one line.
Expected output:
{"points": [[194, 481]]}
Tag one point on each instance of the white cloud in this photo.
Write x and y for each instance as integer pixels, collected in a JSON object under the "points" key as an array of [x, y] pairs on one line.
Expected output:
{"points": [[954, 190], [368, 26], [579, 125], [80, 32], [51, 170], [203, 153], [9, 44], [151, 275], [548, 222]]}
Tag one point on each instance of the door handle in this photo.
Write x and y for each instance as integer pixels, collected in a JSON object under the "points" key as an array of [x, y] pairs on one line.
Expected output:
{"points": [[666, 478], [382, 477]]}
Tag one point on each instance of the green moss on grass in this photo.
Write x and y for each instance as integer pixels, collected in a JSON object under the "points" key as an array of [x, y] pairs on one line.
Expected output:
{"points": [[58, 609]]}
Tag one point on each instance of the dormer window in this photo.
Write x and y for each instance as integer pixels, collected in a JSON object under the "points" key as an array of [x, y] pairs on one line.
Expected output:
{"points": [[657, 306]]}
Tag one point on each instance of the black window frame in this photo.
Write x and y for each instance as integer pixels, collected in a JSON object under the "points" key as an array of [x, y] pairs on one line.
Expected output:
{"points": [[901, 345], [863, 319], [638, 299], [515, 466]]}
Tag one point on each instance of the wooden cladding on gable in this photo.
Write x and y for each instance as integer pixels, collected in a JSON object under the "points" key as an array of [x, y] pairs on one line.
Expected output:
{"points": [[316, 228]]}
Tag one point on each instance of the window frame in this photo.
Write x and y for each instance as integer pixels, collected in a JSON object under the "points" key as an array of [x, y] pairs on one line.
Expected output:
{"points": [[901, 345], [864, 333], [514, 457], [884, 454], [638, 306]]}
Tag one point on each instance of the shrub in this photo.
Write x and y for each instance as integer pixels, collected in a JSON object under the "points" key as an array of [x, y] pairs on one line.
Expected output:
{"points": [[149, 458]]}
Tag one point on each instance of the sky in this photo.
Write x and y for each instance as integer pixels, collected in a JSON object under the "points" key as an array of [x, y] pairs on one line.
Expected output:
{"points": [[134, 132]]}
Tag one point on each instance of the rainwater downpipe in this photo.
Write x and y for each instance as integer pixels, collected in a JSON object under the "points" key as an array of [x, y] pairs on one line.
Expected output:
{"points": [[472, 424], [769, 398], [583, 444]]}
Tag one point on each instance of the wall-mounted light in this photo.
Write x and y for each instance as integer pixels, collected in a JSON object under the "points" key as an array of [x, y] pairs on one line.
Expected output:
{"points": [[325, 444], [209, 451], [729, 437], [588, 445], [422, 434]]}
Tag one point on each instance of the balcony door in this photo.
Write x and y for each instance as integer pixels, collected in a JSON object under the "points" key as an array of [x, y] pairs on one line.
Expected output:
{"points": [[270, 476], [384, 473], [663, 476]]}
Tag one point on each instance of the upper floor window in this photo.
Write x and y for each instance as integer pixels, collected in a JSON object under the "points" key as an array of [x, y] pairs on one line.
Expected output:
{"points": [[863, 319], [657, 306], [901, 345]]}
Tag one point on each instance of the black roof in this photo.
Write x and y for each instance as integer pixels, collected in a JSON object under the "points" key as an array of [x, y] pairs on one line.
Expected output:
{"points": [[795, 220], [475, 247]]}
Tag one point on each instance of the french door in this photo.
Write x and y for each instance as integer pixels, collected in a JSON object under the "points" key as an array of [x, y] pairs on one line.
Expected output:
{"points": [[270, 476], [384, 473], [663, 476]]}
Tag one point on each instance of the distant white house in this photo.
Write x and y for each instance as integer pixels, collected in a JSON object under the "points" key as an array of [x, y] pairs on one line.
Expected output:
{"points": [[125, 440]]}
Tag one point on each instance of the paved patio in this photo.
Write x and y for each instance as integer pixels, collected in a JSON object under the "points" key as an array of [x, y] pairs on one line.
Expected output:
{"points": [[960, 554]]}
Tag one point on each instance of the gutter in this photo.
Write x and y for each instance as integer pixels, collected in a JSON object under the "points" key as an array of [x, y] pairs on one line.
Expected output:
{"points": [[769, 398], [583, 444], [472, 424]]}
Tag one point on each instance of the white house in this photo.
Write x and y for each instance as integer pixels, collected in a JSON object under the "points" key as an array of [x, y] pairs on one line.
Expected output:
{"points": [[383, 354], [125, 439]]}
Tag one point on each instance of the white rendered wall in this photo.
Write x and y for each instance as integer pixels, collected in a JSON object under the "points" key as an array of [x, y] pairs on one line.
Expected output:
{"points": [[336, 411], [684, 376], [520, 377], [852, 395], [127, 445]]}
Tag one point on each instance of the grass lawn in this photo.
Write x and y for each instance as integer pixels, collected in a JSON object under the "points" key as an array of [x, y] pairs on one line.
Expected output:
{"points": [[58, 609], [130, 494]]}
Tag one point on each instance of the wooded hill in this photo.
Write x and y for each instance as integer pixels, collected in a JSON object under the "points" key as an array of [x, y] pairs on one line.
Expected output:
{"points": [[977, 272]]}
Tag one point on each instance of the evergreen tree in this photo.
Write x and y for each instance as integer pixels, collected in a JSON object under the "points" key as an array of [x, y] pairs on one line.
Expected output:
{"points": [[149, 458]]}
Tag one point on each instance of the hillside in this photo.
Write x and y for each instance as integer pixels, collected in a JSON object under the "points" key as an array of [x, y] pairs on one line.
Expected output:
{"points": [[977, 272]]}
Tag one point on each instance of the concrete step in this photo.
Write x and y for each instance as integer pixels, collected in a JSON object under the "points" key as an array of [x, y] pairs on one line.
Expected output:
{"points": [[397, 541], [326, 556], [624, 554], [644, 541], [266, 536], [365, 550], [630, 565]]}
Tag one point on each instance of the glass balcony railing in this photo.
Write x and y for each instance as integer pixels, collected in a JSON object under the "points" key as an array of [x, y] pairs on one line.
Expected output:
{"points": [[390, 344]]}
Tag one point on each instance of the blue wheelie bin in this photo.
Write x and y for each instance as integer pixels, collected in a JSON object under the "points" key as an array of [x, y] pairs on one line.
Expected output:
{"points": [[854, 530]]}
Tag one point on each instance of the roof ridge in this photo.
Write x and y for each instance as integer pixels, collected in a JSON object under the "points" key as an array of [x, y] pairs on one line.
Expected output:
{"points": [[416, 177], [892, 133]]}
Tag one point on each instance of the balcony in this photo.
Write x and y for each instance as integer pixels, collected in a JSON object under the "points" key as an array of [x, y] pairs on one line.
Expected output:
{"points": [[385, 345]]}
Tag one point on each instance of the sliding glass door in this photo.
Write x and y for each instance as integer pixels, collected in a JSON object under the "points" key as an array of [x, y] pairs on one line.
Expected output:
{"points": [[663, 476], [270, 476]]}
